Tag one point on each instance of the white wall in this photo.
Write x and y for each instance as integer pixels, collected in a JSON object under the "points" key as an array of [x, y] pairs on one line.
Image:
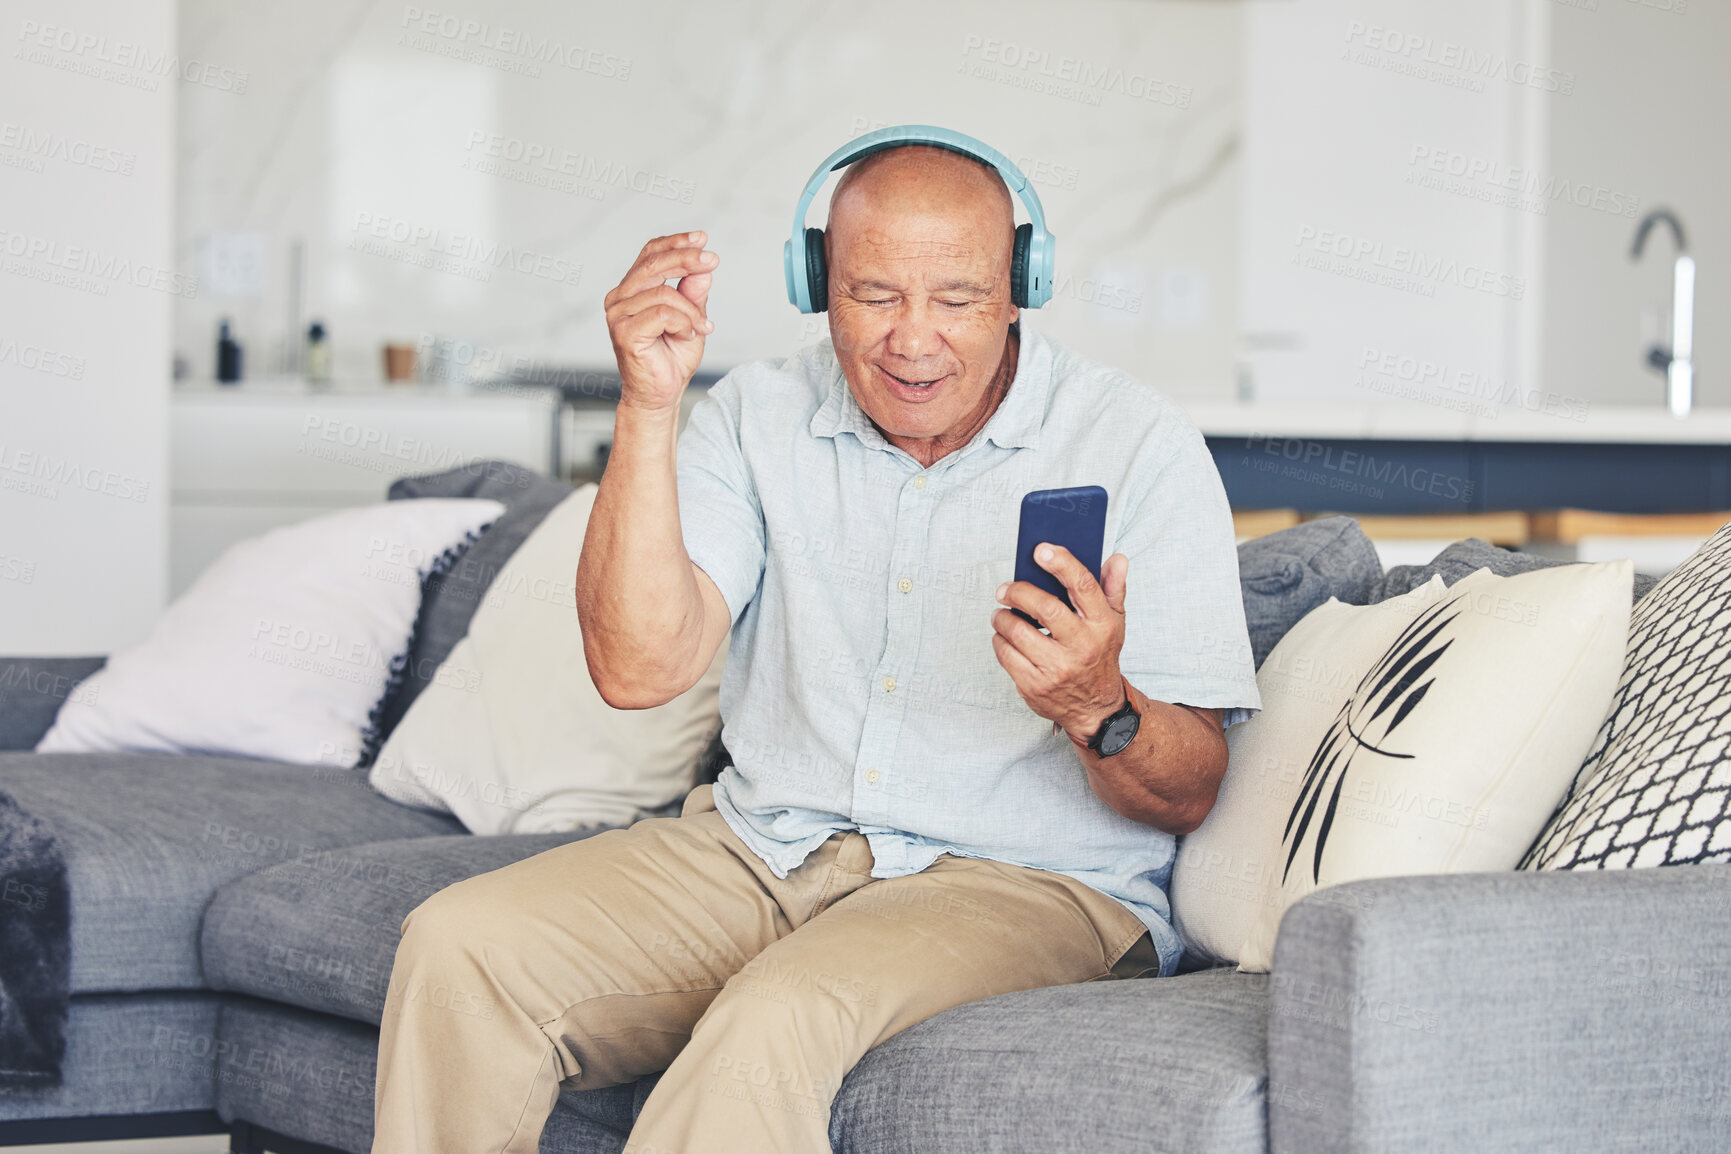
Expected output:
{"points": [[1647, 125], [362, 111], [87, 278], [1526, 137], [1349, 256]]}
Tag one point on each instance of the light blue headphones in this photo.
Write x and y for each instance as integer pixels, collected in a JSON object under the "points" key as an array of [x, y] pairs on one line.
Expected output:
{"points": [[1031, 258]]}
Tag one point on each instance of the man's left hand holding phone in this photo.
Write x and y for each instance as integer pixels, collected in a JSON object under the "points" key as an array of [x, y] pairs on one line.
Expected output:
{"points": [[1067, 673]]}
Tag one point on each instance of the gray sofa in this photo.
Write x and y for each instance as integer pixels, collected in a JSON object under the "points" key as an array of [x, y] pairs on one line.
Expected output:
{"points": [[234, 922]]}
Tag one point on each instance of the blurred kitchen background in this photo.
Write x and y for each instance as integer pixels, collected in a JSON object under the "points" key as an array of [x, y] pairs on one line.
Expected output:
{"points": [[1383, 251]]}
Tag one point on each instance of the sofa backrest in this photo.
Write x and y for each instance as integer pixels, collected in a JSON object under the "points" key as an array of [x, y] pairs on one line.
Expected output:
{"points": [[32, 690], [449, 599]]}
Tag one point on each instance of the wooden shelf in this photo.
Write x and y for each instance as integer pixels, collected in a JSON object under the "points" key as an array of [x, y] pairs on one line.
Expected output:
{"points": [[1508, 527], [1569, 526], [1261, 522], [1504, 528]]}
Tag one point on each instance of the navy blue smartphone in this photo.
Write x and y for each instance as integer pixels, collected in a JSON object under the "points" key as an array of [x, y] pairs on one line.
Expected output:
{"points": [[1074, 518]]}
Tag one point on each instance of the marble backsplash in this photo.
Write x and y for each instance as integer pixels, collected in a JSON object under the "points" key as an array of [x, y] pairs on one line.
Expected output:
{"points": [[483, 173]]}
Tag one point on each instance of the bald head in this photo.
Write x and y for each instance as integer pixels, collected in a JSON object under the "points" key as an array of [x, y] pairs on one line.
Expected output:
{"points": [[921, 180], [921, 176]]}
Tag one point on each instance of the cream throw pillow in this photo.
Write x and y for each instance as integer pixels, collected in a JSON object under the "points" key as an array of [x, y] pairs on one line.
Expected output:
{"points": [[1431, 733], [512, 735]]}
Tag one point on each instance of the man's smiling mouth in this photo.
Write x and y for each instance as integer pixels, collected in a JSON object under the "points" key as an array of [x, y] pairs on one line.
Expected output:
{"points": [[911, 384]]}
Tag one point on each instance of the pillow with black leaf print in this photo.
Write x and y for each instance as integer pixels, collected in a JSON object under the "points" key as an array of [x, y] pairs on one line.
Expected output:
{"points": [[1430, 733]]}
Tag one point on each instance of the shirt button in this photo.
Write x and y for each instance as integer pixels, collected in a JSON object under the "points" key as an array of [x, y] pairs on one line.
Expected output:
{"points": [[889, 685], [904, 585], [871, 775], [920, 481]]}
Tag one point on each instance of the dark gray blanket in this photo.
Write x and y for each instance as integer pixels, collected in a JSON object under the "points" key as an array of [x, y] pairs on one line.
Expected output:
{"points": [[1468, 556], [35, 951]]}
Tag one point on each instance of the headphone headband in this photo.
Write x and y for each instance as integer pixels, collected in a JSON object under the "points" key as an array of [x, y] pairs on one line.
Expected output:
{"points": [[1033, 263]]}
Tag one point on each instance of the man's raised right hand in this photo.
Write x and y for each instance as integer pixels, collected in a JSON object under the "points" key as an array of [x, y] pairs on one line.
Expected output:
{"points": [[657, 329]]}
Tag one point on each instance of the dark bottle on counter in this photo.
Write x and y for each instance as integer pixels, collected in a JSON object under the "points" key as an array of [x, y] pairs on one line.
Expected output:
{"points": [[318, 354], [227, 356]]}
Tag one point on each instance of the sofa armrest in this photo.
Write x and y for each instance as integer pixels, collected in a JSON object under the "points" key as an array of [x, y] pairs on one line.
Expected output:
{"points": [[32, 690], [1510, 1012]]}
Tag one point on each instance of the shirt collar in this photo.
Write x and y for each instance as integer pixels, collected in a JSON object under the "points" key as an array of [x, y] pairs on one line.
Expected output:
{"points": [[1015, 425]]}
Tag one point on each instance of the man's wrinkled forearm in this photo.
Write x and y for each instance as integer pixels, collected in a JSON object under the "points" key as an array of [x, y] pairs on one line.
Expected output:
{"points": [[638, 600]]}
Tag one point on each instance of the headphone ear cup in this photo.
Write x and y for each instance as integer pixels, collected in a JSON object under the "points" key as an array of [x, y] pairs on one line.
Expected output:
{"points": [[816, 270], [1019, 265]]}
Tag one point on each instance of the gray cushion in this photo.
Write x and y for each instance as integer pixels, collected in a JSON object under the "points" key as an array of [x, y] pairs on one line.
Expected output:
{"points": [[449, 600], [1144, 1066], [1468, 556], [32, 690], [318, 1077], [149, 838], [1286, 574], [321, 932], [129, 1054], [1147, 1066]]}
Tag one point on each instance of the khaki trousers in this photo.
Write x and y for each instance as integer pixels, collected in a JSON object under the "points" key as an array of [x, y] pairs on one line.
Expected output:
{"points": [[670, 945]]}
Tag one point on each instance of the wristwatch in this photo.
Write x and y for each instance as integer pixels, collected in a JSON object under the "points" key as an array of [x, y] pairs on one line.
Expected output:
{"points": [[1117, 731]]}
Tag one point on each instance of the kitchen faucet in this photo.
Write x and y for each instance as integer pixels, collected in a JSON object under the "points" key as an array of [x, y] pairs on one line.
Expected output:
{"points": [[1678, 361]]}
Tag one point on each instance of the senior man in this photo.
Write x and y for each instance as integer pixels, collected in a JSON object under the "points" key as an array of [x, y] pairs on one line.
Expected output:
{"points": [[914, 817]]}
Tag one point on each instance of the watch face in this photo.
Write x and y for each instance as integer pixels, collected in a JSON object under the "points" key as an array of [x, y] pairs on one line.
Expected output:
{"points": [[1119, 734]]}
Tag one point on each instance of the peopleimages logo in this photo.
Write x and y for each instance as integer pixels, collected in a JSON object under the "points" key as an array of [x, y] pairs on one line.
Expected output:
{"points": [[42, 258], [1433, 382], [42, 360], [39, 473], [1397, 266], [40, 145], [455, 252], [98, 56], [1428, 58], [1065, 76], [1332, 466], [470, 38], [580, 166], [1495, 182], [374, 448]]}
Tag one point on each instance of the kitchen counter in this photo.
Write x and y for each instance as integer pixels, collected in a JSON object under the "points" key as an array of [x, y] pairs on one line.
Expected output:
{"points": [[1367, 458], [1404, 460], [267, 452], [1603, 424], [369, 388]]}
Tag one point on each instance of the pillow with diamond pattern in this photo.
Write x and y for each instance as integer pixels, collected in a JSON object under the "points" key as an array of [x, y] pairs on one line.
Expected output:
{"points": [[1655, 784]]}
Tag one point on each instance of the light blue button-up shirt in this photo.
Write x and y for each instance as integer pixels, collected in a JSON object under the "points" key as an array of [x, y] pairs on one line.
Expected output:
{"points": [[861, 690]]}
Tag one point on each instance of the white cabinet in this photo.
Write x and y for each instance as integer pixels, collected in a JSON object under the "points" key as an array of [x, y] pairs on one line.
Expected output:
{"points": [[262, 454]]}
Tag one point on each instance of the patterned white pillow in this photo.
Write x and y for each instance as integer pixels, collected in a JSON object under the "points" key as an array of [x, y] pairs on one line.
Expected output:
{"points": [[1655, 788], [284, 648]]}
